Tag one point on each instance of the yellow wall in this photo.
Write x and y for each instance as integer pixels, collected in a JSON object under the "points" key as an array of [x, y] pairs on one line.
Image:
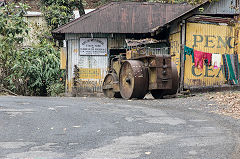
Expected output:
{"points": [[174, 40], [63, 58], [211, 39], [90, 73]]}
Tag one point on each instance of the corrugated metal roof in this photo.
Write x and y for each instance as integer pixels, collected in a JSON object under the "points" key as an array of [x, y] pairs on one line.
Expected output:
{"points": [[126, 17], [222, 7]]}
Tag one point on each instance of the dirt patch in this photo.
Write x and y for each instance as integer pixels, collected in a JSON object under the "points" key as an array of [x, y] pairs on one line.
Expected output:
{"points": [[4, 93], [229, 103]]}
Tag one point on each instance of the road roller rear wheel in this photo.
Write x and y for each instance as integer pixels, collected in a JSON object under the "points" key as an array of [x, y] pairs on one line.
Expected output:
{"points": [[175, 79], [133, 79], [108, 86], [157, 94]]}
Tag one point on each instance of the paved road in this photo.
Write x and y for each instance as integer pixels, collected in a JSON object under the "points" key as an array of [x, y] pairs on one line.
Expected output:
{"points": [[100, 128]]}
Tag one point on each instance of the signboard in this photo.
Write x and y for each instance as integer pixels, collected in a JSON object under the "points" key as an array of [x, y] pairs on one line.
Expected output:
{"points": [[90, 73], [93, 46]]}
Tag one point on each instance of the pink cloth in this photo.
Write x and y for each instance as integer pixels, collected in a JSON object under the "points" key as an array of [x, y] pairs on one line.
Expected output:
{"points": [[198, 58]]}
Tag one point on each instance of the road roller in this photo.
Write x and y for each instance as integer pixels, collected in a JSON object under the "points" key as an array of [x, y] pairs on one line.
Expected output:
{"points": [[137, 72]]}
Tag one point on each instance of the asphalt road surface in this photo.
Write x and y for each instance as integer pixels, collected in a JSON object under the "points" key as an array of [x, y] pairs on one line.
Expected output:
{"points": [[101, 128]]}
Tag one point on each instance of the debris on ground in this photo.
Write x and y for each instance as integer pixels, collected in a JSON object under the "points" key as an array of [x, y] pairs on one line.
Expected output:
{"points": [[180, 95], [229, 103], [147, 153], [4, 91], [76, 126]]}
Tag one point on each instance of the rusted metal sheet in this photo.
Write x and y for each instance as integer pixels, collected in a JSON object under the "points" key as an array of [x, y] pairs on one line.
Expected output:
{"points": [[116, 41], [91, 73], [125, 17], [210, 19], [142, 51], [174, 40], [73, 49], [88, 69], [133, 42], [211, 39]]}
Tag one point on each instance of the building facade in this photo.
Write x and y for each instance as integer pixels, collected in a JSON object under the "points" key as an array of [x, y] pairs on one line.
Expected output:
{"points": [[93, 38], [214, 30], [210, 27]]}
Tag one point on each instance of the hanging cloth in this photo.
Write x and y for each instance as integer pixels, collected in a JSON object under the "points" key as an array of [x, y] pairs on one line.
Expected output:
{"points": [[231, 68], [198, 58], [236, 65], [207, 57], [235, 68], [216, 61], [188, 51]]}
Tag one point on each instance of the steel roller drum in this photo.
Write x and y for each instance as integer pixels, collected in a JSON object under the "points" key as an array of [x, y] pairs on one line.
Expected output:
{"points": [[108, 86], [133, 79]]}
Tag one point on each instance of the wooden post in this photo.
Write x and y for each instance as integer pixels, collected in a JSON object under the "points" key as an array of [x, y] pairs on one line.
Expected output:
{"points": [[236, 34], [67, 58], [183, 42]]}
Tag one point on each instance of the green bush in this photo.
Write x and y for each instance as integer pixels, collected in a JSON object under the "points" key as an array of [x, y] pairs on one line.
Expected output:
{"points": [[55, 89], [36, 69], [27, 71]]}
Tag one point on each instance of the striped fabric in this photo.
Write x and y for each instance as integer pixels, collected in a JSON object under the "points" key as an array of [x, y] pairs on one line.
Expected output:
{"points": [[231, 68]]}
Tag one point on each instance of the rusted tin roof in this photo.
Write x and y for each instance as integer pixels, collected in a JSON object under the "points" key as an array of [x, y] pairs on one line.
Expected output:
{"points": [[210, 19], [126, 17]]}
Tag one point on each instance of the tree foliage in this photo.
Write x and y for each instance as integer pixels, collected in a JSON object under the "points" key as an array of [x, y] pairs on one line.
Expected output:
{"points": [[26, 71], [59, 12], [94, 3], [13, 29]]}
